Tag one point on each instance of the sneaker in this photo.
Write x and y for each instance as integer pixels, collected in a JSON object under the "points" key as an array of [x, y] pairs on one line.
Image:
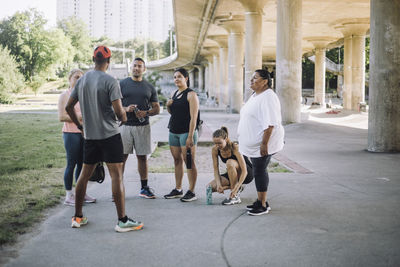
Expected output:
{"points": [[259, 211], [129, 225], [78, 222], [256, 204], [70, 201], [147, 192], [231, 201], [89, 199], [189, 196], [175, 193]]}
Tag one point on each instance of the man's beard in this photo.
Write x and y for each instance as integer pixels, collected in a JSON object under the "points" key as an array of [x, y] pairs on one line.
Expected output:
{"points": [[136, 75]]}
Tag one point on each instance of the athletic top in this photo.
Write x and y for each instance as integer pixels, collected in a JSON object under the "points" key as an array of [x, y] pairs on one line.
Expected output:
{"points": [[180, 113]]}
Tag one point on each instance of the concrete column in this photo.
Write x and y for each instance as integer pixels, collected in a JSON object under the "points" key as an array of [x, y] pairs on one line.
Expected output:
{"points": [[234, 25], [210, 77], [347, 72], [358, 66], [207, 80], [319, 76], [288, 58], [320, 44], [253, 40], [384, 81], [191, 78], [216, 76], [222, 41], [201, 78]]}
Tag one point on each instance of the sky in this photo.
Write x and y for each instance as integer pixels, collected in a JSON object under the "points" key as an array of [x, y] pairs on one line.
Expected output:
{"points": [[47, 7]]}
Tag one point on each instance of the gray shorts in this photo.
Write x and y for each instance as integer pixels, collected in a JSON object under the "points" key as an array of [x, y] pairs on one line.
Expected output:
{"points": [[138, 137]]}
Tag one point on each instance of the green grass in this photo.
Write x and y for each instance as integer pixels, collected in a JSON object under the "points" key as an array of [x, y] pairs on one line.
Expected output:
{"points": [[32, 158], [157, 152]]}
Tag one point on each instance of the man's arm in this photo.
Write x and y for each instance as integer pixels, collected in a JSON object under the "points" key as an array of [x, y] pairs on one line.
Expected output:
{"points": [[69, 108], [119, 110]]}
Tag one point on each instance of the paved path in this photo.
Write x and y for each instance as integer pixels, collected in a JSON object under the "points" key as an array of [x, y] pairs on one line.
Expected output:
{"points": [[342, 211]]}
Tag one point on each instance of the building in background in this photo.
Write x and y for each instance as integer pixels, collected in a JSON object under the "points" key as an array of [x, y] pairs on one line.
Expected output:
{"points": [[121, 20]]}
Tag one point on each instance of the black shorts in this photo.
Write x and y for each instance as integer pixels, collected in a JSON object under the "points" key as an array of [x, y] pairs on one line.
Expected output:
{"points": [[108, 150], [248, 178]]}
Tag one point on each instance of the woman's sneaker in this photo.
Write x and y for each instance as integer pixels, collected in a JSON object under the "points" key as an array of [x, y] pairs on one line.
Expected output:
{"points": [[259, 209], [89, 199], [231, 201], [70, 201], [129, 225], [256, 204], [189, 196], [147, 192], [175, 193]]}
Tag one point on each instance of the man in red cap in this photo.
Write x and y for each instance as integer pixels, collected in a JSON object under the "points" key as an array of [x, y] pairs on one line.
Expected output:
{"points": [[99, 96]]}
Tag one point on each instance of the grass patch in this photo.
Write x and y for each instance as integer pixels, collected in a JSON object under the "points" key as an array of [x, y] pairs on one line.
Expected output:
{"points": [[276, 167], [32, 158], [159, 149], [162, 169]]}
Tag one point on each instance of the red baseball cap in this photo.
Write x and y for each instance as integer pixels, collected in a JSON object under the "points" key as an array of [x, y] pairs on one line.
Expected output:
{"points": [[102, 52]]}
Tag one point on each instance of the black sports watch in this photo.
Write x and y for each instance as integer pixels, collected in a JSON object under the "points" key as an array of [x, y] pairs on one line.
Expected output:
{"points": [[80, 127]]}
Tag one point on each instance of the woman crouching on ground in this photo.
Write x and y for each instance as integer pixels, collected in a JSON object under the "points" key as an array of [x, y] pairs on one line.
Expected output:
{"points": [[184, 110], [238, 167]]}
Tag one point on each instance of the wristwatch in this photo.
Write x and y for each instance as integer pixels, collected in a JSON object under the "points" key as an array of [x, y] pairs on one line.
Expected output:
{"points": [[147, 113], [80, 127]]}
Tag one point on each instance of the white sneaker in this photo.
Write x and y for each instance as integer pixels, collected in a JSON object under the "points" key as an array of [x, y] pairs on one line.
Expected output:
{"points": [[70, 201], [89, 199], [232, 201]]}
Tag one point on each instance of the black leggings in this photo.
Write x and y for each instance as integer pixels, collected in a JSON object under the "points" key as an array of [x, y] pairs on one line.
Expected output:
{"points": [[260, 172]]}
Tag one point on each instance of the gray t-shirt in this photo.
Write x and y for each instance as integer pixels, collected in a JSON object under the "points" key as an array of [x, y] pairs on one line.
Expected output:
{"points": [[140, 93], [95, 92]]}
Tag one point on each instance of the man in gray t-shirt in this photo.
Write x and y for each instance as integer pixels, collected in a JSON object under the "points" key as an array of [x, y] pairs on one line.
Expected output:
{"points": [[99, 97], [140, 101]]}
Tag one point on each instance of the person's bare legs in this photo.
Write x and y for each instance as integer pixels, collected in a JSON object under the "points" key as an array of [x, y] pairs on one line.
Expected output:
{"points": [[123, 165], [118, 189], [80, 190], [233, 169], [178, 164], [142, 166], [191, 173], [224, 184]]}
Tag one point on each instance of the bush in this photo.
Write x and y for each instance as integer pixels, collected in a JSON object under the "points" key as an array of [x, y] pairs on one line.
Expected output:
{"points": [[11, 80]]}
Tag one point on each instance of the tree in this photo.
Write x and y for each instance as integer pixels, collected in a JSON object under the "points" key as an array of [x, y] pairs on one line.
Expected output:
{"points": [[11, 80], [24, 35], [77, 31]]}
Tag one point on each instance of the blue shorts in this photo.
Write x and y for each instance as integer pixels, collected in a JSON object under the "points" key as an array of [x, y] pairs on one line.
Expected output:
{"points": [[180, 139]]}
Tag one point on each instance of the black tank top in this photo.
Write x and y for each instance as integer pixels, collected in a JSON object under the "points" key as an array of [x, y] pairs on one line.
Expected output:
{"points": [[224, 160], [180, 113]]}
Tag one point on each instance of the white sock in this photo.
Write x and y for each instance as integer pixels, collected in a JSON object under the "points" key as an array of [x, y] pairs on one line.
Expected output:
{"points": [[69, 193]]}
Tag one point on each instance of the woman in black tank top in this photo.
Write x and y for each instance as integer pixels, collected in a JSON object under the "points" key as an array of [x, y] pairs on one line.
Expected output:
{"points": [[238, 167], [184, 110]]}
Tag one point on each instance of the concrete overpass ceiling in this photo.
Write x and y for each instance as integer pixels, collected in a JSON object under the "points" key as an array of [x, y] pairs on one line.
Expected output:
{"points": [[195, 23]]}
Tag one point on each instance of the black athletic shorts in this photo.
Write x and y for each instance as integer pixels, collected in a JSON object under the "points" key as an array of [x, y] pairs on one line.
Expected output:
{"points": [[248, 178], [108, 150]]}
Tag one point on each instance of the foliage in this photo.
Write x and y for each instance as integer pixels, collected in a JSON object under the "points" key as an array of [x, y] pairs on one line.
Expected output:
{"points": [[166, 45], [77, 31], [153, 77], [307, 73], [34, 48], [11, 80]]}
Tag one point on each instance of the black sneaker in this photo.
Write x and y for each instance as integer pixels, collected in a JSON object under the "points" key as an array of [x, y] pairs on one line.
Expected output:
{"points": [[189, 196], [256, 203], [175, 193]]}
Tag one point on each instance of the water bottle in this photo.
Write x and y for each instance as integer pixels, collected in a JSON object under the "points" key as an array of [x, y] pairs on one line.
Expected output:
{"points": [[209, 195], [188, 159], [140, 119]]}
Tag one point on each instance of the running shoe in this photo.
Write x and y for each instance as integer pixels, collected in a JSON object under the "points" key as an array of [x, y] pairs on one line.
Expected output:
{"points": [[175, 193], [129, 225], [147, 192], [77, 222], [189, 196], [256, 204], [231, 201], [259, 209], [89, 199], [70, 201]]}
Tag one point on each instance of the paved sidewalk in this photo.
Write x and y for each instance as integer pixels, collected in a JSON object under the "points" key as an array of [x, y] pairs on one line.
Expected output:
{"points": [[339, 208]]}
